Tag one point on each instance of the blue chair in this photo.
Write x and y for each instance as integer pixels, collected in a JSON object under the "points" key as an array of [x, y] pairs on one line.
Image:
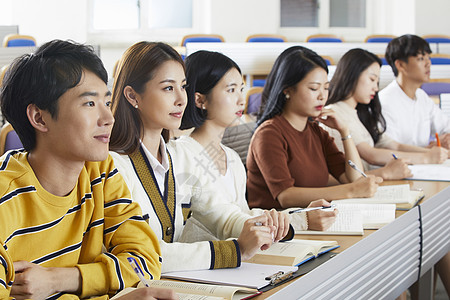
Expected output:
{"points": [[328, 59], [202, 38], [440, 59], [9, 139], [266, 38], [259, 82], [253, 100], [436, 38], [323, 38], [436, 87], [379, 38], [18, 40]]}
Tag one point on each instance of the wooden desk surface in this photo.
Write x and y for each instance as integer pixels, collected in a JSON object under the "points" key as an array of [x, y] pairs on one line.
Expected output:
{"points": [[430, 188]]}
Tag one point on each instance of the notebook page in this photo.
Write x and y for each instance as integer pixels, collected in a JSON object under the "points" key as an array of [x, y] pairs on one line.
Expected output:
{"points": [[385, 194]]}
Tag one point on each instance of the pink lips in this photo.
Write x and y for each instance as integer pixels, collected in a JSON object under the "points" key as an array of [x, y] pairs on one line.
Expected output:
{"points": [[104, 138], [319, 107], [177, 114], [239, 113]]}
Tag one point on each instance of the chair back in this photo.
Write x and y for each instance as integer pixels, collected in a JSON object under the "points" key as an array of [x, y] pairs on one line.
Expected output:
{"points": [[379, 38], [436, 38], [9, 139], [266, 38], [18, 40], [440, 59], [324, 38], [328, 59], [238, 138], [202, 38], [253, 100], [436, 88]]}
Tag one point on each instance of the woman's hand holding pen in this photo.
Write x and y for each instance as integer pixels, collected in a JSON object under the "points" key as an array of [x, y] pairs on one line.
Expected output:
{"points": [[320, 219], [364, 187], [281, 222], [436, 155], [396, 169], [256, 234]]}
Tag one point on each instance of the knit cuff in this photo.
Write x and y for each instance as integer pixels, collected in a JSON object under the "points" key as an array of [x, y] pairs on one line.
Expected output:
{"points": [[225, 254]]}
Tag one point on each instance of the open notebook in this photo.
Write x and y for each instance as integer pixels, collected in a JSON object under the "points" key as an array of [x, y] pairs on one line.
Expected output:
{"points": [[434, 172], [399, 194], [293, 253], [353, 218]]}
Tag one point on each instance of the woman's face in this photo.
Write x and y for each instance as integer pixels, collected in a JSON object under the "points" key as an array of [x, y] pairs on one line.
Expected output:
{"points": [[163, 101], [367, 85], [225, 102], [308, 96]]}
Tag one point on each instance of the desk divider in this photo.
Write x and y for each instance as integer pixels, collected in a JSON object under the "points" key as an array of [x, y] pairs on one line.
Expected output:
{"points": [[382, 265]]}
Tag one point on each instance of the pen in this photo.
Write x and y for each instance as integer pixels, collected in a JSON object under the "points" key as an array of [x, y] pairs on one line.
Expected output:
{"points": [[138, 271], [438, 141], [311, 208], [352, 164], [395, 156]]}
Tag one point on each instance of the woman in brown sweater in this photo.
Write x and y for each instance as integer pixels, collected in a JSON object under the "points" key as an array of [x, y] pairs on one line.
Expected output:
{"points": [[291, 160]]}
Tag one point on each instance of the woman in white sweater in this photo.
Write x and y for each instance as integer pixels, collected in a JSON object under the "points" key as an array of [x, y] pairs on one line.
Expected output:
{"points": [[213, 173], [354, 97], [149, 98]]}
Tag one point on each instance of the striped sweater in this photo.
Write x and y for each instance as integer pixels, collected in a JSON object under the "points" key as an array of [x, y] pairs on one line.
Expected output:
{"points": [[70, 231]]}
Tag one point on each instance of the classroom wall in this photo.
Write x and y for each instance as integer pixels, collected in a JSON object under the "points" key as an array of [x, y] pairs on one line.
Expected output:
{"points": [[431, 17], [234, 19]]}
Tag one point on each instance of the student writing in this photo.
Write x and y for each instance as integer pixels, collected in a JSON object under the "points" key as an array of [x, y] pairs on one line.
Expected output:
{"points": [[354, 97], [291, 158]]}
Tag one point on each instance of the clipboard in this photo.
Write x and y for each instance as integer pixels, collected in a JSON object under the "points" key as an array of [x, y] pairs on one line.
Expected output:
{"points": [[303, 269]]}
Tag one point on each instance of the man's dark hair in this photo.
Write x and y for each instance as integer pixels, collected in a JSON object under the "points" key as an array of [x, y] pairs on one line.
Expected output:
{"points": [[42, 78], [403, 47]]}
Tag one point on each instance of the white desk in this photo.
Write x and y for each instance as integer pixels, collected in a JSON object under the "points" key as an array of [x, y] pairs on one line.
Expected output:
{"points": [[385, 263]]}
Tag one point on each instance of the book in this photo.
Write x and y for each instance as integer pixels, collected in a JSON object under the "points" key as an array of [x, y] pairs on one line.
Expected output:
{"points": [[247, 275], [399, 194], [292, 253], [353, 218], [198, 291]]}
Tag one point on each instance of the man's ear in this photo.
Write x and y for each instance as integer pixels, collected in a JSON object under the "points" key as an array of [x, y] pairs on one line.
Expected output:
{"points": [[36, 117], [131, 95], [200, 100], [400, 65]]}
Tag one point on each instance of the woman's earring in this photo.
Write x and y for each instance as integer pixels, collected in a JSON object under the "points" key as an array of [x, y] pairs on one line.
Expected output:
{"points": [[136, 106], [203, 107], [287, 96]]}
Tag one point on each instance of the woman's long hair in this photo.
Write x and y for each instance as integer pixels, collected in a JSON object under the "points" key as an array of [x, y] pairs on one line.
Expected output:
{"points": [[343, 85], [136, 67], [290, 67]]}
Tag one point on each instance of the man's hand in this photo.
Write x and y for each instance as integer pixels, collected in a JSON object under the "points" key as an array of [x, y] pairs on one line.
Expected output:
{"points": [[36, 282]]}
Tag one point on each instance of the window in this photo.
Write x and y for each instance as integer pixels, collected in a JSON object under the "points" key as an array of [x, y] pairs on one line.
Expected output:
{"points": [[345, 18], [167, 20], [115, 14], [348, 13], [299, 13]]}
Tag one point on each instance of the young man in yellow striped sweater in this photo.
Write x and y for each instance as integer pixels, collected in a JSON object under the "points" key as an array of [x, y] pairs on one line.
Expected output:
{"points": [[61, 198]]}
